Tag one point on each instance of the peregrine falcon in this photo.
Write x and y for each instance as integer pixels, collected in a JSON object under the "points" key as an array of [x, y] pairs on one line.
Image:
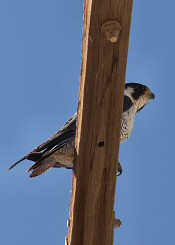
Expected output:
{"points": [[58, 151]]}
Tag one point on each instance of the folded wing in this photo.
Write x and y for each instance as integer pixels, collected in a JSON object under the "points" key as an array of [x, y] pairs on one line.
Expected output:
{"points": [[56, 142]]}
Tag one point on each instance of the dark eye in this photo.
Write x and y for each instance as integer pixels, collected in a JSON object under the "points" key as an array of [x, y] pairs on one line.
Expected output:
{"points": [[138, 91], [142, 88]]}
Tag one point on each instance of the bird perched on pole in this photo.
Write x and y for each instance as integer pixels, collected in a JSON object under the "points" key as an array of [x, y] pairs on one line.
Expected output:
{"points": [[58, 151]]}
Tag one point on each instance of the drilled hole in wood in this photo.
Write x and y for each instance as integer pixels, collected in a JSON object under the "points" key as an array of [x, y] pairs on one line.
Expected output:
{"points": [[101, 144]]}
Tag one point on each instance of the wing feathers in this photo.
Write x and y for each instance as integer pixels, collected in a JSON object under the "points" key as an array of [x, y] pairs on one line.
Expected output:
{"points": [[22, 159], [57, 141]]}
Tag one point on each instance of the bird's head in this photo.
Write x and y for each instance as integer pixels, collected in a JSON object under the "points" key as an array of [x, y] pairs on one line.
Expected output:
{"points": [[139, 94]]}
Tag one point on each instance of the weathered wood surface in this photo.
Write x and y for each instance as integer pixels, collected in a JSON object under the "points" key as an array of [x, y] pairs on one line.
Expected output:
{"points": [[99, 119]]}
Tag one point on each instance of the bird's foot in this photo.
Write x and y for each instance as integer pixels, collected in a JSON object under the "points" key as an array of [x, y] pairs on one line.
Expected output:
{"points": [[119, 169], [117, 222]]}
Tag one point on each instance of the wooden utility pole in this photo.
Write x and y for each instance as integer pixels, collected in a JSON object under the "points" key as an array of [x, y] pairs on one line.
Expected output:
{"points": [[105, 49]]}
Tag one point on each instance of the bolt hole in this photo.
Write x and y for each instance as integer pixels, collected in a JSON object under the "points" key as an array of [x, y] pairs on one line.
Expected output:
{"points": [[101, 144]]}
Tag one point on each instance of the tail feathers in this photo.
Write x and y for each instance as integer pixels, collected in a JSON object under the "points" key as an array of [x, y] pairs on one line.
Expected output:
{"points": [[22, 159], [40, 168], [59, 165]]}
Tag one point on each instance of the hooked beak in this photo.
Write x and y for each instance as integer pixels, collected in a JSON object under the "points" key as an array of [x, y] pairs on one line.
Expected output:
{"points": [[152, 95]]}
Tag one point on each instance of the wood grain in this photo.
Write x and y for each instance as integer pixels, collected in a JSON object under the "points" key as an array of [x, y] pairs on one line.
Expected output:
{"points": [[99, 119]]}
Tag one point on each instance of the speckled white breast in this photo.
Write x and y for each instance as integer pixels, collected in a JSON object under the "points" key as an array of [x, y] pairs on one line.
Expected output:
{"points": [[127, 124]]}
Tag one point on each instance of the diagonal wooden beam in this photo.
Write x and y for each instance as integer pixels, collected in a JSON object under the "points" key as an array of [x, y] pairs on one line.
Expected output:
{"points": [[104, 59]]}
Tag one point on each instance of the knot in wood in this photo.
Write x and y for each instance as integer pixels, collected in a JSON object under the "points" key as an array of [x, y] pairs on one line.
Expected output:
{"points": [[111, 29]]}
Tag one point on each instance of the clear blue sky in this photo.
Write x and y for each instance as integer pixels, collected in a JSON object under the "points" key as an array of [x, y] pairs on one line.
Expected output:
{"points": [[40, 59]]}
